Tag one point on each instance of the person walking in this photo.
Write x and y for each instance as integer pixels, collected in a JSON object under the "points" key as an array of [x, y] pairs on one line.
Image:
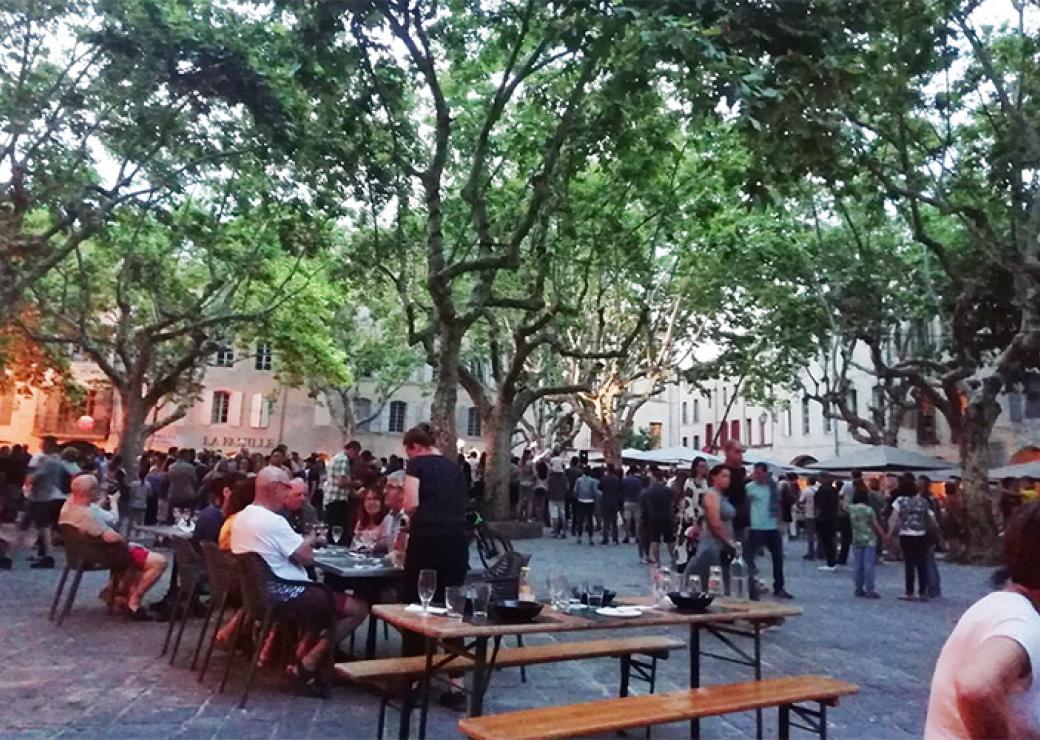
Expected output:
{"points": [[691, 508], [865, 528], [807, 506], [909, 520], [765, 522], [828, 506], [934, 538], [987, 678], [558, 506], [844, 524]]}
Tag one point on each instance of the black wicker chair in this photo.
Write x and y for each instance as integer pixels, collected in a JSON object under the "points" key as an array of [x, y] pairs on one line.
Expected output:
{"points": [[83, 553], [191, 574], [271, 600], [222, 573]]}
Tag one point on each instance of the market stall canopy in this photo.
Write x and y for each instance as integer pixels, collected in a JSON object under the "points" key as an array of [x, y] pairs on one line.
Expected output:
{"points": [[666, 456], [1022, 470], [881, 458]]}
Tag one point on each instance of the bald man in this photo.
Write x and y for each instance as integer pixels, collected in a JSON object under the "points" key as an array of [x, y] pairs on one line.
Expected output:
{"points": [[260, 528], [148, 567]]}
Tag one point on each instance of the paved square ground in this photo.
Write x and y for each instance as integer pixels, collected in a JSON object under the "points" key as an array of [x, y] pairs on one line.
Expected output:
{"points": [[101, 677]]}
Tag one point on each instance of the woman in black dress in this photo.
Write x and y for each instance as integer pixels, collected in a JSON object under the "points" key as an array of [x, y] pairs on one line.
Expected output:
{"points": [[435, 497]]}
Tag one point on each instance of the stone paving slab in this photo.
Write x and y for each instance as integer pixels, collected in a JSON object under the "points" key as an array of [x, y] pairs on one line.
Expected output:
{"points": [[101, 677]]}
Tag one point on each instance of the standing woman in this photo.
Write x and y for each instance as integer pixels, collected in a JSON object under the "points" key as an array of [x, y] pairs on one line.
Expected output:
{"points": [[910, 514], [717, 543], [525, 475], [539, 511], [435, 497], [691, 507]]}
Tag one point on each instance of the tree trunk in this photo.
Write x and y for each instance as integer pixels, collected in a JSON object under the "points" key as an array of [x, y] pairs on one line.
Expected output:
{"points": [[612, 447], [132, 438], [498, 439], [980, 533], [446, 392]]}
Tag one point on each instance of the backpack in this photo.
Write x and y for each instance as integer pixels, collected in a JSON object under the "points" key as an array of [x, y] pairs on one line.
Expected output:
{"points": [[913, 514]]}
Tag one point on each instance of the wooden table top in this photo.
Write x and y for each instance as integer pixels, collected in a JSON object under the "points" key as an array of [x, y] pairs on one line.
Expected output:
{"points": [[722, 611]]}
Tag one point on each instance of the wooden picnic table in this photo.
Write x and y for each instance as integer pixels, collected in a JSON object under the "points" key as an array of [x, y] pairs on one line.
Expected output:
{"points": [[337, 561], [723, 620]]}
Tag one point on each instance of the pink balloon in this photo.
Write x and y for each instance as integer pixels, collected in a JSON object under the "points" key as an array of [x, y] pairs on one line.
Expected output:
{"points": [[85, 423]]}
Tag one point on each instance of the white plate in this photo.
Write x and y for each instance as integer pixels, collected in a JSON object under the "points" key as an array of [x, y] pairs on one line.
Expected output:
{"points": [[622, 612]]}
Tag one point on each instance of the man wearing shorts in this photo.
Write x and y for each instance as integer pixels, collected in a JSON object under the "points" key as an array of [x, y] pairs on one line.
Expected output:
{"points": [[657, 505], [147, 567], [43, 485]]}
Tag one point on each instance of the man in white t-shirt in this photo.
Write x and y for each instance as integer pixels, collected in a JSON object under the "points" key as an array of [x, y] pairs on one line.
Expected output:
{"points": [[987, 678], [261, 529]]}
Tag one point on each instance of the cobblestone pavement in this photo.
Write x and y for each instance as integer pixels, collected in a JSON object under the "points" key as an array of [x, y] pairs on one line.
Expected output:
{"points": [[102, 677]]}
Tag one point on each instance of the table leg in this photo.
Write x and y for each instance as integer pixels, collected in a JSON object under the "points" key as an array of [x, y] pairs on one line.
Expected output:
{"points": [[758, 676], [425, 698], [480, 677], [695, 672], [370, 641]]}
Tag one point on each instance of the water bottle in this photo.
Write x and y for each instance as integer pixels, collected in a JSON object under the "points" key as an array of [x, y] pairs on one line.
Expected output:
{"points": [[525, 591], [738, 576]]}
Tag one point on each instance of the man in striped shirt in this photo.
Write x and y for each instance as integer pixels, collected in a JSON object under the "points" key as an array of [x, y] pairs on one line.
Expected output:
{"points": [[340, 488]]}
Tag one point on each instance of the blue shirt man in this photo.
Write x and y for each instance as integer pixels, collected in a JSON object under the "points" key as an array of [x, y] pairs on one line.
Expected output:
{"points": [[764, 499]]}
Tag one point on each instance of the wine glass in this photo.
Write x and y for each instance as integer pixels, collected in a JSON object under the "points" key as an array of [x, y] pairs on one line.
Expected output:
{"points": [[337, 533], [427, 587]]}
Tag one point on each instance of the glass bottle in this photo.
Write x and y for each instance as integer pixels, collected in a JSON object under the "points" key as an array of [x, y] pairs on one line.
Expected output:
{"points": [[738, 575], [525, 591], [715, 584]]}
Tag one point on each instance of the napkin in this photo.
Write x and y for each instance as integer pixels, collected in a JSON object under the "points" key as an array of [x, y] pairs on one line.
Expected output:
{"points": [[431, 610]]}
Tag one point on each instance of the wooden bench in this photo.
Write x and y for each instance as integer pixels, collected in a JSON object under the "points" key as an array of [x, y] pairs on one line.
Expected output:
{"points": [[611, 715], [386, 675]]}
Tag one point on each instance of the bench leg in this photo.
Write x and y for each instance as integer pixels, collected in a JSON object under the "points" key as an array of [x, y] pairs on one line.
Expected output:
{"points": [[480, 678], [823, 721], [626, 669], [57, 594], [695, 673], [523, 669], [373, 633], [784, 730], [758, 677]]}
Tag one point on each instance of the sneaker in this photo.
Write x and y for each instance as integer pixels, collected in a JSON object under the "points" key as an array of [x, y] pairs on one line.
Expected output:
{"points": [[453, 700], [782, 594], [140, 614], [860, 592], [624, 541], [828, 568], [43, 563], [906, 597], [872, 595]]}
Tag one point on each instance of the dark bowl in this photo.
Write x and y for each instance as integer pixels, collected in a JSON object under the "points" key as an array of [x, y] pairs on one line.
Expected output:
{"points": [[513, 611], [691, 602], [608, 596]]}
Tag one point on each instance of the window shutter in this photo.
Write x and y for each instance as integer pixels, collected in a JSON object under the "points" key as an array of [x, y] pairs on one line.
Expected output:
{"points": [[265, 413], [461, 415], [6, 408], [206, 416], [255, 410], [234, 416]]}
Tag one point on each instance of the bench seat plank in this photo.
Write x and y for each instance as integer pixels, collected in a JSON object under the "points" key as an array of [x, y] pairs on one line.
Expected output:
{"points": [[553, 652], [610, 715]]}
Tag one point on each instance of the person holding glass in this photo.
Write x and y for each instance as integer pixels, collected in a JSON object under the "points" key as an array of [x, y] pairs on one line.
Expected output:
{"points": [[435, 497], [717, 544]]}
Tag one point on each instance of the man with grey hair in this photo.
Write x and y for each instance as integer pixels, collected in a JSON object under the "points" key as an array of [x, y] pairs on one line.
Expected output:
{"points": [[148, 567], [260, 528]]}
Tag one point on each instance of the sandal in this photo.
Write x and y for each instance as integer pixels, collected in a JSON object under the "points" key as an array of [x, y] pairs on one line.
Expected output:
{"points": [[309, 681]]}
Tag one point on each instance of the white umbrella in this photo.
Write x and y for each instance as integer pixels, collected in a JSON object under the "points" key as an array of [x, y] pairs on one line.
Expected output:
{"points": [[1022, 470]]}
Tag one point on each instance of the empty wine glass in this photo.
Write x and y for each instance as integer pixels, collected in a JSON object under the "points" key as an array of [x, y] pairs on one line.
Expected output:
{"points": [[337, 533], [692, 584], [427, 587]]}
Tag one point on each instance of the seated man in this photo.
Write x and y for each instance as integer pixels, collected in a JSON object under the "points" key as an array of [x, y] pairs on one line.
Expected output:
{"points": [[298, 510], [211, 518], [393, 529], [260, 529], [148, 567]]}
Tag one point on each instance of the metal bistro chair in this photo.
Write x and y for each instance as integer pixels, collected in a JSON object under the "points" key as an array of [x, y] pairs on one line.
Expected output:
{"points": [[271, 600], [191, 574], [224, 588], [84, 553]]}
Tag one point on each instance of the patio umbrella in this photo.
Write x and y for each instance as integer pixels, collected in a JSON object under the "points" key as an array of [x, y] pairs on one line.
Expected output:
{"points": [[881, 458]]}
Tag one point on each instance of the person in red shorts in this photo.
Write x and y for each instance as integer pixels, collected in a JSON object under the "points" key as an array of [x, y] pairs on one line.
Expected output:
{"points": [[148, 566]]}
